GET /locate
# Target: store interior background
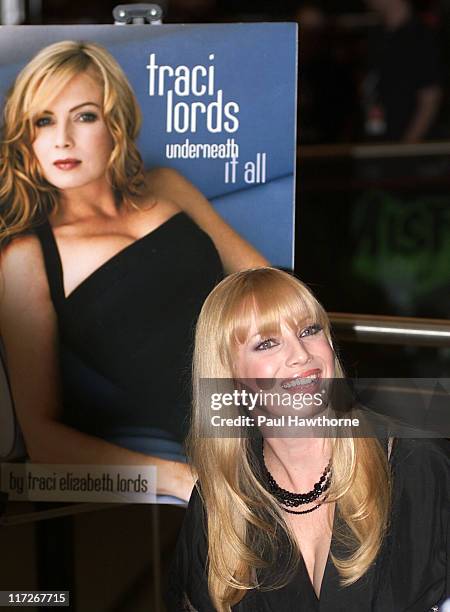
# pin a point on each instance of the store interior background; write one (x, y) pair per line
(372, 237)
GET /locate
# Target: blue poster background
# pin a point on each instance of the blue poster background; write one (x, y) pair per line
(255, 69)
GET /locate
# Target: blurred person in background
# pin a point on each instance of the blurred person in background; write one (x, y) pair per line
(190, 11)
(322, 78)
(402, 92)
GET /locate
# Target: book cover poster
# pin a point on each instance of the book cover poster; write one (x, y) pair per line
(218, 105)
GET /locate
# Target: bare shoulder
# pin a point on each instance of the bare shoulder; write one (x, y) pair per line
(22, 248)
(167, 182)
(22, 268)
(162, 188)
(163, 174)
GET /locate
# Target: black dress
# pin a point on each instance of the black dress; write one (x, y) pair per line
(410, 572)
(126, 332)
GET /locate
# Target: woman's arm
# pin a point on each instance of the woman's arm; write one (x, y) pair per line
(29, 330)
(235, 252)
(428, 102)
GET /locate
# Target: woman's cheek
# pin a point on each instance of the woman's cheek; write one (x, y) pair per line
(262, 368)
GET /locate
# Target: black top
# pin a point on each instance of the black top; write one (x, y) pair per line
(126, 331)
(410, 572)
(402, 61)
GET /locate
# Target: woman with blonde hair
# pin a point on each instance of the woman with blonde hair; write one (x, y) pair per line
(103, 272)
(288, 522)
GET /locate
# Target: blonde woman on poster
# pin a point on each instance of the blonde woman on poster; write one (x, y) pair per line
(104, 270)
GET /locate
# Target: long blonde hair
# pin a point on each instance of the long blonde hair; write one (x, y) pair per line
(26, 198)
(245, 526)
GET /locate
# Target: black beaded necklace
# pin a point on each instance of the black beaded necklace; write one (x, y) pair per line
(293, 500)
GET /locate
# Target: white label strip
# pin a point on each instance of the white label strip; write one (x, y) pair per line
(79, 483)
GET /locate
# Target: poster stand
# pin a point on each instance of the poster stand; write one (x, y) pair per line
(125, 14)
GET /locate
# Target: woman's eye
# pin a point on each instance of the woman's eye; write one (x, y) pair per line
(43, 121)
(87, 117)
(266, 344)
(311, 330)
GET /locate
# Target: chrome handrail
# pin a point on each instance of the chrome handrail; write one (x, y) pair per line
(391, 330)
(358, 150)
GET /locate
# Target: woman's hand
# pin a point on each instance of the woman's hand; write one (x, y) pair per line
(235, 252)
(174, 476)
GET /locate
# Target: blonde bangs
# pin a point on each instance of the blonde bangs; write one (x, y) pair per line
(43, 89)
(272, 298)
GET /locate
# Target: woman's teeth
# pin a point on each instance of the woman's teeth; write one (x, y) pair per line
(298, 382)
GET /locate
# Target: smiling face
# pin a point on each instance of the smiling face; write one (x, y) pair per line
(295, 359)
(72, 142)
(264, 333)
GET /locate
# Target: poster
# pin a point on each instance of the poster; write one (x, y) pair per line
(218, 104)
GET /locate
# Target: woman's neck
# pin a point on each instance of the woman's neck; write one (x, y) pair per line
(82, 203)
(296, 463)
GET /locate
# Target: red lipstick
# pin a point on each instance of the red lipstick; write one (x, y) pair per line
(67, 164)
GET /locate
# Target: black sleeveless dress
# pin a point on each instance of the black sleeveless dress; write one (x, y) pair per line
(126, 332)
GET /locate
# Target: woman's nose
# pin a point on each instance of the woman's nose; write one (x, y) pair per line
(298, 354)
(63, 138)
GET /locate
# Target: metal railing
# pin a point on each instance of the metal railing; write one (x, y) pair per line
(391, 330)
(359, 150)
